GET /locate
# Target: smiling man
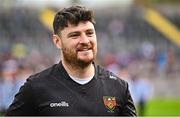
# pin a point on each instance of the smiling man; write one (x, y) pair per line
(76, 85)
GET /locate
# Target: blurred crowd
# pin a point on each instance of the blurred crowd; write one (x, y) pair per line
(127, 46)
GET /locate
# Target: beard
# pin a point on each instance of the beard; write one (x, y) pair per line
(71, 56)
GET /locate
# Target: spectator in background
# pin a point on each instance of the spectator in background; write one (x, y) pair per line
(170, 60)
(12, 76)
(161, 61)
(141, 90)
(1, 95)
(9, 70)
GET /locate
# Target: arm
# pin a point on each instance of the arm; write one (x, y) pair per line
(23, 102)
(129, 107)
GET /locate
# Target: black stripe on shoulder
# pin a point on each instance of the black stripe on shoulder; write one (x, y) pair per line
(103, 73)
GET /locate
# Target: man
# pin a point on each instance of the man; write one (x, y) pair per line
(75, 86)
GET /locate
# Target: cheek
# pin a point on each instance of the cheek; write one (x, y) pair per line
(69, 44)
(94, 42)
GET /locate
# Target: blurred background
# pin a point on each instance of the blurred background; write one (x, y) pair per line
(138, 40)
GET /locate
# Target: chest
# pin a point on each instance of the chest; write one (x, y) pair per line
(78, 100)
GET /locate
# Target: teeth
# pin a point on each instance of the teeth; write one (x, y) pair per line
(85, 49)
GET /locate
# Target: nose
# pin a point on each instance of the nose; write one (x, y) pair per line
(84, 39)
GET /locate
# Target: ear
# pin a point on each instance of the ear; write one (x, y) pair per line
(57, 41)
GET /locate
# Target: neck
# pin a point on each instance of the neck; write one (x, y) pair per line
(79, 72)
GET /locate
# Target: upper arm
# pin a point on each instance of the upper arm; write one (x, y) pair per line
(23, 101)
(129, 107)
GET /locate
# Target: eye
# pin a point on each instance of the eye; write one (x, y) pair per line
(74, 35)
(90, 33)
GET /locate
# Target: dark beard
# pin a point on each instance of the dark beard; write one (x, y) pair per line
(70, 57)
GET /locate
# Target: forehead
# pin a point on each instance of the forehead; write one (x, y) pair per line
(82, 26)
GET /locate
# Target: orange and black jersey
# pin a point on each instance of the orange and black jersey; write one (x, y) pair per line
(53, 92)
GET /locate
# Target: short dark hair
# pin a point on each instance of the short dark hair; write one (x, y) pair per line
(72, 15)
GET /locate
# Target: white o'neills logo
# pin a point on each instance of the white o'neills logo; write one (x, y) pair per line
(60, 104)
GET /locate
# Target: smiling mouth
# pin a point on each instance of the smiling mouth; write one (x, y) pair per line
(84, 49)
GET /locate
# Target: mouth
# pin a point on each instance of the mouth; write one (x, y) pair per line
(84, 49)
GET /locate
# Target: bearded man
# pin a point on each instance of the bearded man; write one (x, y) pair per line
(76, 85)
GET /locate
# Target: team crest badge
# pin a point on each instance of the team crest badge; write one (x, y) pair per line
(109, 102)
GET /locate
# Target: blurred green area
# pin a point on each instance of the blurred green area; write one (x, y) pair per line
(162, 107)
(1, 114)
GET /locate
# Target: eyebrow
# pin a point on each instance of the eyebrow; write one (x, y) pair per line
(78, 32)
(90, 30)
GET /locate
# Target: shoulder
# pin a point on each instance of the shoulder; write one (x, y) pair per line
(42, 77)
(110, 77)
